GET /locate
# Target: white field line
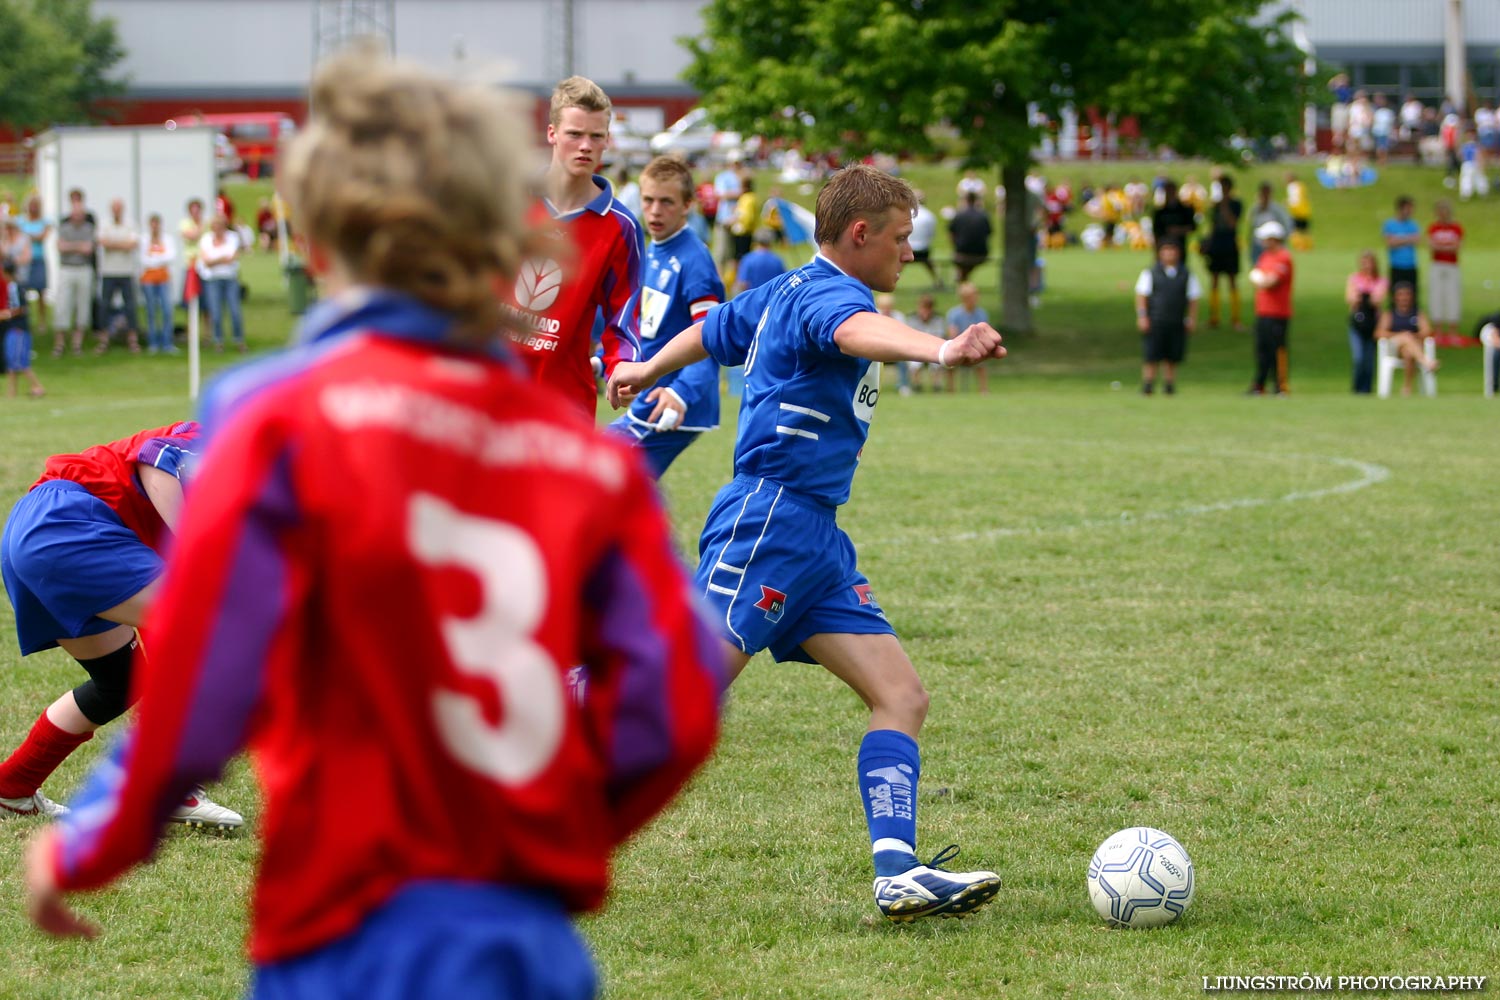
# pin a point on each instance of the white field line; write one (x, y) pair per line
(1369, 475)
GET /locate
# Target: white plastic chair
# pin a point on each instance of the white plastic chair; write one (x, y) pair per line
(1388, 362)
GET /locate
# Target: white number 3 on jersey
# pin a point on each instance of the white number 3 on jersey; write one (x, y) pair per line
(496, 643)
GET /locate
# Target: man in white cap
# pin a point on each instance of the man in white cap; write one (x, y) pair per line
(1272, 278)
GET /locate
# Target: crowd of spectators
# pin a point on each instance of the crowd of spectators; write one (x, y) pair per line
(109, 268)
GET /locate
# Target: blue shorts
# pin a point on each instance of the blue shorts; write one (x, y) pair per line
(65, 557)
(17, 348)
(660, 448)
(777, 569)
(444, 941)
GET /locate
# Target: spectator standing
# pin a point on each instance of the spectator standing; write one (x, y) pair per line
(1410, 117)
(1174, 221)
(970, 183)
(1223, 252)
(1472, 178)
(1272, 278)
(728, 186)
(746, 219)
(1166, 312)
(1266, 209)
(38, 229)
(15, 333)
(76, 244)
(1361, 120)
(1407, 329)
(1382, 128)
(1445, 294)
(119, 260)
(1487, 130)
(1338, 115)
(923, 230)
(627, 191)
(1299, 207)
(1363, 293)
(158, 255)
(219, 260)
(1402, 236)
(190, 233)
(760, 265)
(967, 313)
(970, 230)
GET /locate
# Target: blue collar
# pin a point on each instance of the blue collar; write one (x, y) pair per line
(599, 206)
(384, 313)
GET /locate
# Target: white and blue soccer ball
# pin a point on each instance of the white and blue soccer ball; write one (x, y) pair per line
(1140, 877)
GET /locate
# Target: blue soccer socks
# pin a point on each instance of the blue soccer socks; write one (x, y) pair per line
(889, 765)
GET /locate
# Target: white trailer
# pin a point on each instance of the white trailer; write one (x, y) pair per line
(155, 170)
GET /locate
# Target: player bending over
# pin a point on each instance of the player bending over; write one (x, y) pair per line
(681, 285)
(773, 563)
(81, 558)
(404, 543)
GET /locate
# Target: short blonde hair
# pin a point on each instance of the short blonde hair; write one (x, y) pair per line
(414, 183)
(578, 92)
(669, 168)
(859, 192)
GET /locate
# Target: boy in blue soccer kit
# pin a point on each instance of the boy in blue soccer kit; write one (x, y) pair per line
(774, 565)
(681, 284)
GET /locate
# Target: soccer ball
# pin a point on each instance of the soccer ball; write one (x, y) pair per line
(1140, 877)
(1259, 278)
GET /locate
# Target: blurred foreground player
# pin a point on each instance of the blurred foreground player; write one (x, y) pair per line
(773, 562)
(400, 543)
(81, 557)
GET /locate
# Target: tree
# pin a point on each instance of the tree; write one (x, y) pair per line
(880, 74)
(57, 62)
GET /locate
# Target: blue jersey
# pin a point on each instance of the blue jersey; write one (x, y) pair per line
(807, 406)
(680, 285)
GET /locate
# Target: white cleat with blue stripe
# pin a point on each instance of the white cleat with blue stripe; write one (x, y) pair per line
(930, 891)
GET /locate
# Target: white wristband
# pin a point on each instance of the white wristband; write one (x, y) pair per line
(942, 351)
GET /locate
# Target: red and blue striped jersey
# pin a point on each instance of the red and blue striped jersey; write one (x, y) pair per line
(108, 471)
(553, 303)
(393, 554)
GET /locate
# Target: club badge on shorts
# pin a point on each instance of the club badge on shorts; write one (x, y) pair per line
(772, 602)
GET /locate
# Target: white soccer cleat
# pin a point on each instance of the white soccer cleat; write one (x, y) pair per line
(930, 891)
(35, 804)
(201, 811)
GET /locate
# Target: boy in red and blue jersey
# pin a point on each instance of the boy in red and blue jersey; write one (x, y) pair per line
(773, 562)
(595, 263)
(81, 555)
(395, 548)
(681, 285)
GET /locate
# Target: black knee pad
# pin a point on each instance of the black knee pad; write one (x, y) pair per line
(105, 696)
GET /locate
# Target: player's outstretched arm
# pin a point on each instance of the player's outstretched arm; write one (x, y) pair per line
(879, 338)
(629, 379)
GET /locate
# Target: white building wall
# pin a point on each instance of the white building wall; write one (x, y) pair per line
(236, 45)
(1395, 22)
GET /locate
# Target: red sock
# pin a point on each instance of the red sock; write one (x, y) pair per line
(37, 757)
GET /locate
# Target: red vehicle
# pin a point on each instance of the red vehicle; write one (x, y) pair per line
(255, 135)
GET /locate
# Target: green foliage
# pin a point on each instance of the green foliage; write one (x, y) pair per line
(882, 74)
(57, 63)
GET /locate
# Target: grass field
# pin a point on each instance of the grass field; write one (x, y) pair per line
(1270, 627)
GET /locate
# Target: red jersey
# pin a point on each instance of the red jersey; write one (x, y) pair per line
(108, 471)
(393, 554)
(553, 303)
(1445, 238)
(1275, 302)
